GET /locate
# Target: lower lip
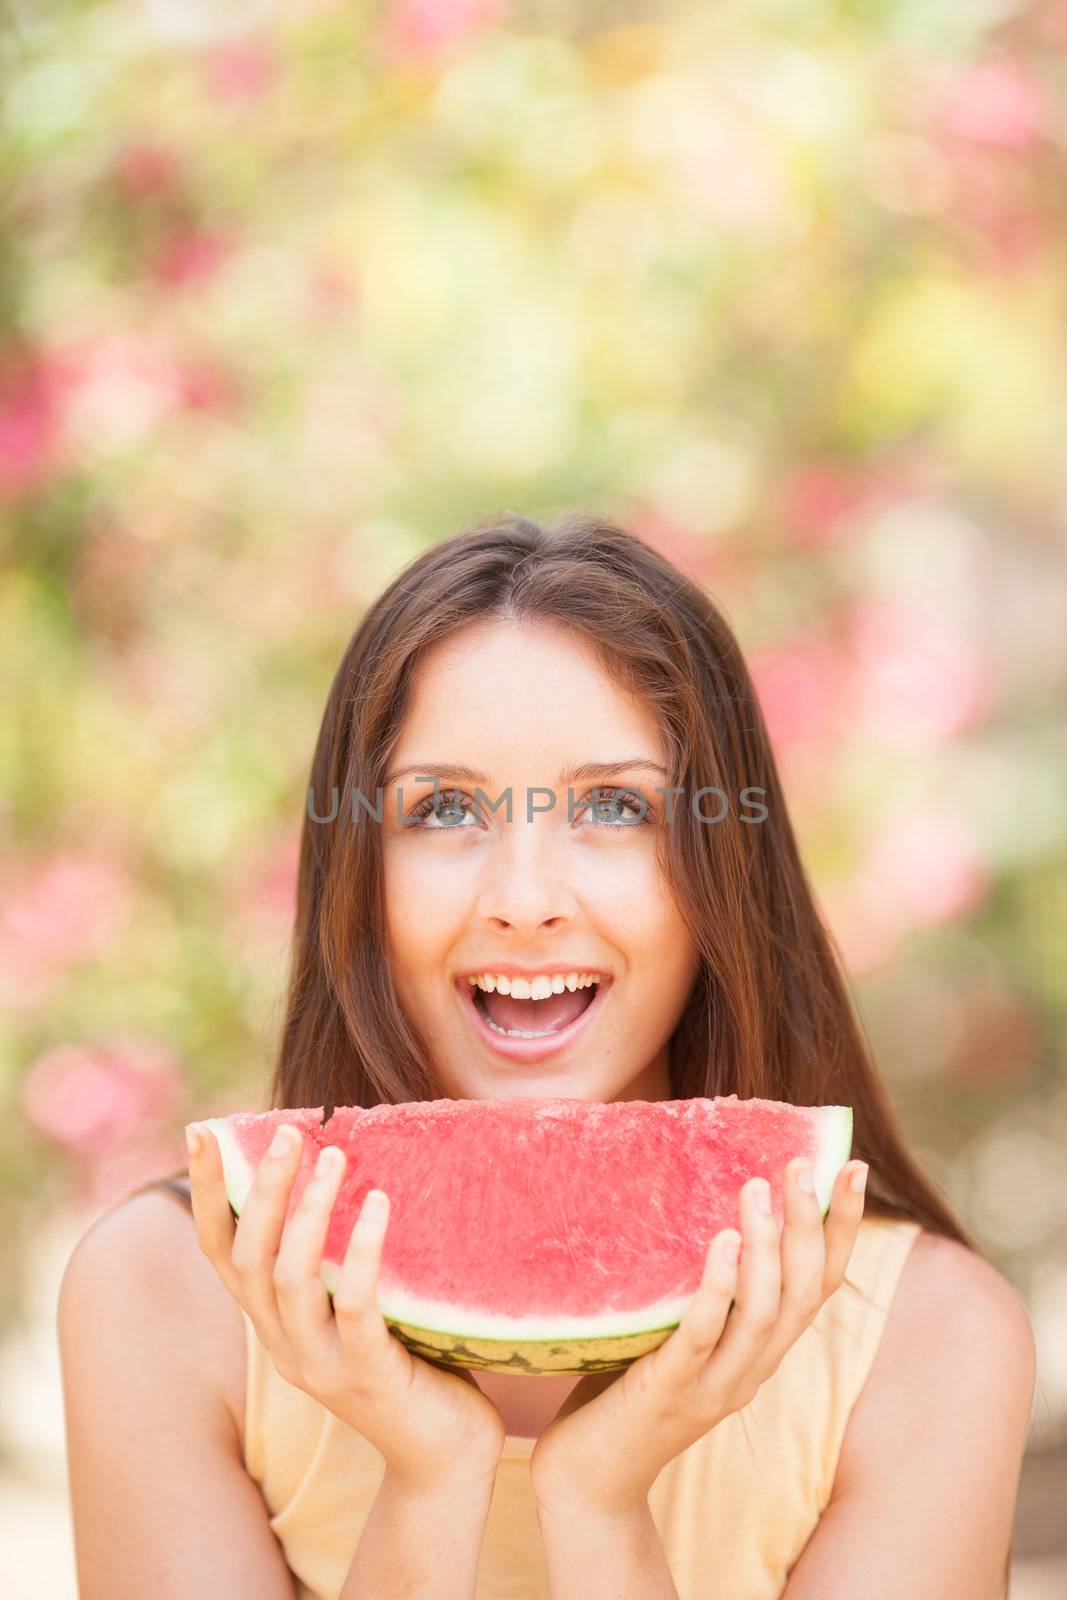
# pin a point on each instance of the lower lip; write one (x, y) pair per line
(531, 1050)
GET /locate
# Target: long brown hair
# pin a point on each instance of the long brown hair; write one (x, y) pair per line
(769, 1014)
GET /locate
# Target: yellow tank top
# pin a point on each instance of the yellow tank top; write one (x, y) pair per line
(734, 1511)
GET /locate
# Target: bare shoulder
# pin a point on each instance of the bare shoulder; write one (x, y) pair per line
(956, 1359)
(951, 1298)
(138, 1276)
(151, 1350)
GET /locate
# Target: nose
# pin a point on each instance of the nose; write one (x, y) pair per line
(526, 884)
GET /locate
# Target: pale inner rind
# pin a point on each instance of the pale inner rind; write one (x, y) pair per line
(442, 1316)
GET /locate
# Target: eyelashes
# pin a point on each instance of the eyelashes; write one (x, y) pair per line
(443, 797)
(447, 800)
(640, 809)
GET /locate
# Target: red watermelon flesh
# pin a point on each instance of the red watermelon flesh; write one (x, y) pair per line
(543, 1235)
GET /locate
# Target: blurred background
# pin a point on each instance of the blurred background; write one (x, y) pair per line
(290, 291)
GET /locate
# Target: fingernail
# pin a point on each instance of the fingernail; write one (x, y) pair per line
(858, 1179)
(374, 1205)
(806, 1179)
(761, 1194)
(282, 1142)
(329, 1161)
(193, 1141)
(730, 1245)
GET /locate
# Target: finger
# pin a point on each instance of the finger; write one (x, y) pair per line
(842, 1223)
(759, 1284)
(803, 1248)
(360, 1324)
(303, 1303)
(701, 1327)
(259, 1230)
(802, 1252)
(211, 1208)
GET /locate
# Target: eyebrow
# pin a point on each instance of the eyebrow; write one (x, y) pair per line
(582, 773)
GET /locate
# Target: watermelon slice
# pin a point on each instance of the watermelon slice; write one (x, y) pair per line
(543, 1235)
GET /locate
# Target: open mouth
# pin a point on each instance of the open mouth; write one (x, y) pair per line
(532, 1019)
(527, 1029)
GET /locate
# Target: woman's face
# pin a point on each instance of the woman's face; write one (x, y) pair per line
(519, 705)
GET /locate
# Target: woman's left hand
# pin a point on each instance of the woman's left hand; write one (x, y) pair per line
(616, 1431)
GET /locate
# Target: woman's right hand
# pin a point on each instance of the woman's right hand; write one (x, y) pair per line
(434, 1427)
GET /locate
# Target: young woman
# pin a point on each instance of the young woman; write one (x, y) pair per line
(853, 1423)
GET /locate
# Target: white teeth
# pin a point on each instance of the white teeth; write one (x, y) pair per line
(521, 1033)
(538, 988)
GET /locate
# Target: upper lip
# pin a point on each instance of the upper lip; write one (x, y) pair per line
(509, 969)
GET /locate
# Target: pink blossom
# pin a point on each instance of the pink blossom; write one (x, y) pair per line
(999, 203)
(417, 29)
(1014, 238)
(798, 688)
(237, 74)
(93, 1099)
(64, 909)
(29, 423)
(262, 890)
(997, 103)
(145, 170)
(115, 388)
(922, 870)
(203, 386)
(190, 256)
(913, 681)
(822, 498)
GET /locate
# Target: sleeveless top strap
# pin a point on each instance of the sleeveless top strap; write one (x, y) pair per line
(177, 1186)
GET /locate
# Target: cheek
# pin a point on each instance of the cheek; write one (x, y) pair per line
(424, 903)
(634, 906)
(628, 887)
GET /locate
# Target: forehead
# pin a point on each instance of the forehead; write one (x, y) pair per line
(515, 686)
